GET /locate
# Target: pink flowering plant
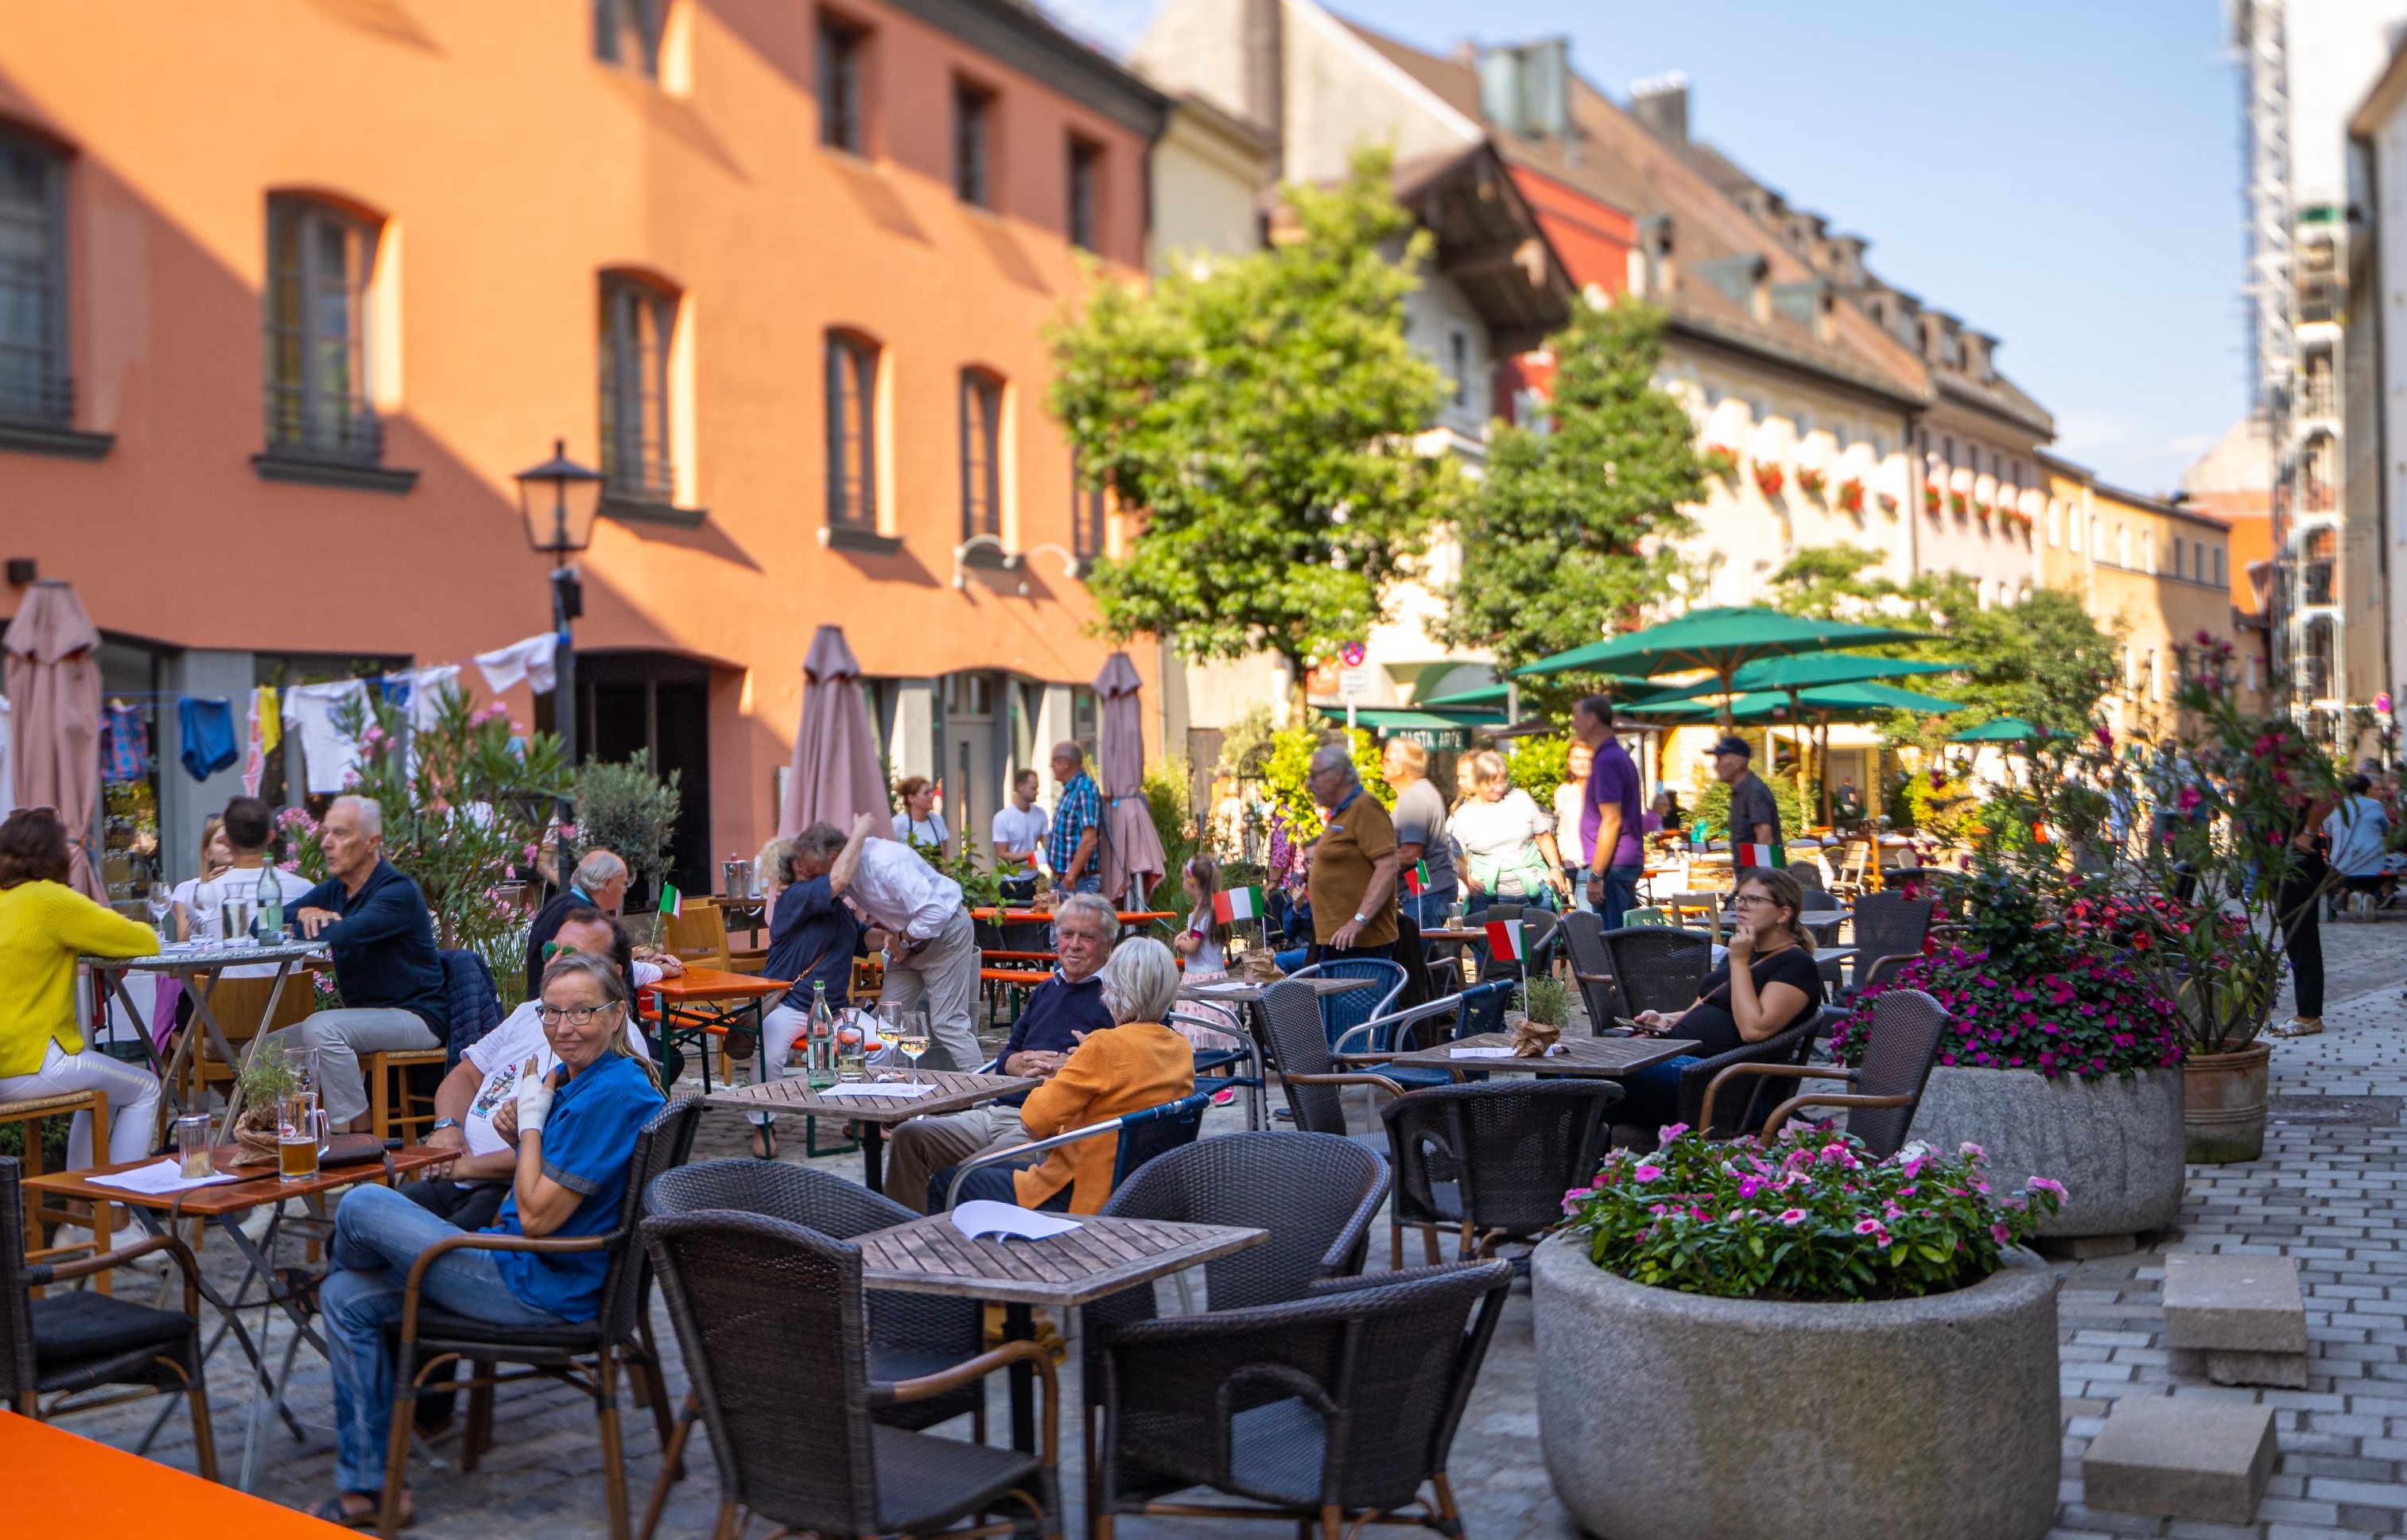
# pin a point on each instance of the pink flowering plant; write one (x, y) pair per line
(1810, 1217)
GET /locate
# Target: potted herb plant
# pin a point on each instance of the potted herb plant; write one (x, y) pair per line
(1797, 1339)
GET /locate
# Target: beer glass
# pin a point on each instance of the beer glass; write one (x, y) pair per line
(300, 1135)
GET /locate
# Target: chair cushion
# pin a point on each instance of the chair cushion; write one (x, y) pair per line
(435, 1325)
(72, 1327)
(1276, 1453)
(925, 1483)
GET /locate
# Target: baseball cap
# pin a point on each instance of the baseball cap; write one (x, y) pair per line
(1730, 743)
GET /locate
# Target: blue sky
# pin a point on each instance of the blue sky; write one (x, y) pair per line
(2064, 176)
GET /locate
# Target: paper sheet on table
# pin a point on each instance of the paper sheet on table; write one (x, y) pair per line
(1007, 1221)
(1216, 987)
(1479, 1053)
(896, 1089)
(158, 1179)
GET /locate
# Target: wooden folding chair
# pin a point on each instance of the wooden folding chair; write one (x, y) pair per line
(28, 1115)
(699, 936)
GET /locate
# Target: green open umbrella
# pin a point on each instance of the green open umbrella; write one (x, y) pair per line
(1806, 670)
(2001, 730)
(1722, 640)
(1820, 705)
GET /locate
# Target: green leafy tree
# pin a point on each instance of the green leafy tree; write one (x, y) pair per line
(1286, 770)
(1261, 411)
(631, 812)
(1568, 529)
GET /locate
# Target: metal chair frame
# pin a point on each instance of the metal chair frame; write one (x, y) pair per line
(1189, 1111)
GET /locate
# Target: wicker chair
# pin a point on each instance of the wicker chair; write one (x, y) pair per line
(1788, 1047)
(1477, 1009)
(775, 1327)
(587, 1354)
(1592, 971)
(1539, 927)
(1883, 971)
(1309, 1074)
(1492, 1160)
(72, 1341)
(1343, 1406)
(1658, 969)
(1906, 1027)
(1143, 1134)
(1889, 925)
(1341, 1013)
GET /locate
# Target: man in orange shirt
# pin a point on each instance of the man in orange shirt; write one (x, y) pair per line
(1354, 865)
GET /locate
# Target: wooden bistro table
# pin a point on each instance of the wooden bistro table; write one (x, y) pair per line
(1609, 1057)
(956, 1091)
(191, 963)
(225, 1205)
(1102, 1256)
(703, 1001)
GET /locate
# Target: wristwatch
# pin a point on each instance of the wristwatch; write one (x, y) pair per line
(1361, 919)
(442, 1123)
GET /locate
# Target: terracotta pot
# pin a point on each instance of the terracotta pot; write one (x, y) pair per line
(2223, 1104)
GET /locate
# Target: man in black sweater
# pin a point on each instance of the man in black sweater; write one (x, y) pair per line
(374, 922)
(599, 883)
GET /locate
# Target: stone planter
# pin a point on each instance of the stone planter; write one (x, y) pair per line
(1667, 1416)
(2223, 1111)
(2115, 1145)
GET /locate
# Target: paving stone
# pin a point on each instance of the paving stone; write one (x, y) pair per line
(2184, 1457)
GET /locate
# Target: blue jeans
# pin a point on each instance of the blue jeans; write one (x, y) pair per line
(1430, 910)
(1291, 959)
(1620, 892)
(1092, 883)
(379, 1233)
(1650, 1097)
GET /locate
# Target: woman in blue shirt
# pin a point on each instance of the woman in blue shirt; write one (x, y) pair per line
(575, 1133)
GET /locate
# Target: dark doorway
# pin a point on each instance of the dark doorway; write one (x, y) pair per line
(656, 704)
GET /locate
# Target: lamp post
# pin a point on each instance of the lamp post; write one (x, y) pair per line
(559, 500)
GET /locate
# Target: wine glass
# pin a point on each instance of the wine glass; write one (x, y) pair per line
(913, 1039)
(161, 902)
(889, 1023)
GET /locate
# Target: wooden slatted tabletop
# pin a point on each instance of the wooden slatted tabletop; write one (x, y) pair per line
(1102, 1256)
(1238, 992)
(956, 1091)
(1606, 1056)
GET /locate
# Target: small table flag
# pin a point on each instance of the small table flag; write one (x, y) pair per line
(1231, 904)
(1505, 940)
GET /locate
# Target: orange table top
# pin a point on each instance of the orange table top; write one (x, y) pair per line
(95, 1492)
(699, 984)
(233, 1197)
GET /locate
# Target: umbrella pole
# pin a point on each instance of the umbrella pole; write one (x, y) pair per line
(1797, 725)
(1822, 758)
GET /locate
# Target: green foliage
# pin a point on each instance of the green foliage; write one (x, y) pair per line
(1246, 743)
(1828, 583)
(1537, 767)
(1260, 410)
(1168, 785)
(629, 811)
(1568, 528)
(1709, 802)
(1546, 1001)
(1810, 1217)
(1290, 760)
(1939, 804)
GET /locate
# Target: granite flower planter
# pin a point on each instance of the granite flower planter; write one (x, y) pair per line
(1667, 1416)
(2115, 1145)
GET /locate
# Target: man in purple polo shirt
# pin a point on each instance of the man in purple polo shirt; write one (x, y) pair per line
(1610, 826)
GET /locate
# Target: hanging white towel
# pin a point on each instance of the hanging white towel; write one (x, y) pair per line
(328, 756)
(530, 659)
(419, 690)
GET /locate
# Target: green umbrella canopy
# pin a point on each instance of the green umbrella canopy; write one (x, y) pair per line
(1805, 671)
(2001, 729)
(1839, 701)
(1622, 687)
(1723, 640)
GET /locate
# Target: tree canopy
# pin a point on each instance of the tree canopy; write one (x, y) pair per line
(1258, 413)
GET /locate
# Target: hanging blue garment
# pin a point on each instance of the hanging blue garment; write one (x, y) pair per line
(206, 728)
(125, 744)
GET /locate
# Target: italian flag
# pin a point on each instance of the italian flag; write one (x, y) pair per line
(1761, 855)
(1416, 880)
(1231, 904)
(671, 902)
(1505, 940)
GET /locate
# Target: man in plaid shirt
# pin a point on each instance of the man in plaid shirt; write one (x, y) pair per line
(1077, 824)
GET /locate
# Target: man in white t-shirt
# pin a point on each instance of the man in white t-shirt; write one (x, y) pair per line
(248, 829)
(1019, 834)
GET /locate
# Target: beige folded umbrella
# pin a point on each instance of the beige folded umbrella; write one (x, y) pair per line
(835, 776)
(54, 696)
(1133, 857)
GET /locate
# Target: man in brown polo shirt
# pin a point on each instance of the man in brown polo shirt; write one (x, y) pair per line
(1353, 865)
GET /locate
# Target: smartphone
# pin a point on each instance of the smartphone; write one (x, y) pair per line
(1625, 1022)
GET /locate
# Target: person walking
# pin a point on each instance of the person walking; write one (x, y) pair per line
(1508, 845)
(1074, 849)
(2299, 912)
(1754, 815)
(1570, 817)
(1611, 834)
(1422, 837)
(1353, 878)
(916, 917)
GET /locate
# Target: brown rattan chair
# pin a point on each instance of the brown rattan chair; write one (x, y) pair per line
(588, 1355)
(775, 1327)
(1491, 1162)
(1904, 1043)
(1658, 969)
(910, 1335)
(1889, 925)
(1339, 1406)
(73, 1341)
(1309, 1074)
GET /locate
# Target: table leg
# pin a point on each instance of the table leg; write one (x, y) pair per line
(1019, 1325)
(229, 1309)
(873, 1156)
(208, 1021)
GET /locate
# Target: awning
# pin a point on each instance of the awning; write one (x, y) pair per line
(1429, 729)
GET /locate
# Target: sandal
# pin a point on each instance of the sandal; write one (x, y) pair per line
(335, 1511)
(2300, 1026)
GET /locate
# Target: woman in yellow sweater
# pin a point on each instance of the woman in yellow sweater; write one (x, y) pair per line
(44, 926)
(1139, 1063)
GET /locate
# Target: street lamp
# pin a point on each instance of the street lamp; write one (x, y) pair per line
(559, 500)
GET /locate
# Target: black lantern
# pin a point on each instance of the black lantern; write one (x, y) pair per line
(560, 499)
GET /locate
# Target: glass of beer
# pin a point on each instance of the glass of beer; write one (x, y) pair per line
(299, 1134)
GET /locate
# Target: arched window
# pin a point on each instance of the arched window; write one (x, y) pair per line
(638, 327)
(852, 432)
(981, 454)
(318, 261)
(2315, 659)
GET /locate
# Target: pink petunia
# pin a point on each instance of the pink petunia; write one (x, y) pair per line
(1647, 1172)
(1792, 1216)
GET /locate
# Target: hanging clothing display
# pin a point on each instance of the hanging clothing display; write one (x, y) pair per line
(206, 729)
(328, 755)
(266, 732)
(420, 692)
(124, 743)
(530, 659)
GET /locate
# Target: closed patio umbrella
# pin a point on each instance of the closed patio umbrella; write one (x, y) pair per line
(1132, 847)
(834, 777)
(54, 701)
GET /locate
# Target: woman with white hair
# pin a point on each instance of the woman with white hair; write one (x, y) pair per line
(1139, 1063)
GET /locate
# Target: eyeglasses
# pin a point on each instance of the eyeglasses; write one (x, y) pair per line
(1757, 898)
(576, 1015)
(557, 948)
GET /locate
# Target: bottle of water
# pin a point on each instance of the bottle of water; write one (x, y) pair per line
(820, 1058)
(271, 900)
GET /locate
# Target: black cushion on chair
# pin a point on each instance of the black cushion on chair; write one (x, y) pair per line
(925, 1483)
(71, 1328)
(439, 1332)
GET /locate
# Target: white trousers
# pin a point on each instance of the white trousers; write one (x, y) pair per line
(133, 1100)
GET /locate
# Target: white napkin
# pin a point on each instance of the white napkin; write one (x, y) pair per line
(1479, 1053)
(898, 1091)
(158, 1178)
(1007, 1221)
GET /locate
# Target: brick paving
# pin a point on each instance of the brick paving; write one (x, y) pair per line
(2330, 1193)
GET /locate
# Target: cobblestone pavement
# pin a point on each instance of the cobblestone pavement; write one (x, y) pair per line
(2327, 1192)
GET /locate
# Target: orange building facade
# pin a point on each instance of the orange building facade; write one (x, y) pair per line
(298, 285)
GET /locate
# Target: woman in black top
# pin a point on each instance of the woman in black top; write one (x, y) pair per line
(1768, 984)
